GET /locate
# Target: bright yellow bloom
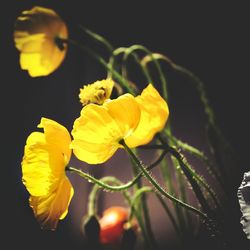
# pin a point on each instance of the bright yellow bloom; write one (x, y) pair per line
(99, 129)
(45, 157)
(96, 92)
(35, 33)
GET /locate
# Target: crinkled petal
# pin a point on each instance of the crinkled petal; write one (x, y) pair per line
(154, 114)
(54, 206)
(45, 157)
(94, 132)
(35, 168)
(99, 129)
(58, 136)
(126, 113)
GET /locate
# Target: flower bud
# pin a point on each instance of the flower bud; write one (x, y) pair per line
(128, 240)
(91, 228)
(112, 225)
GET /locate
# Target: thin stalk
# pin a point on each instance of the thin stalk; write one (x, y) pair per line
(191, 175)
(143, 205)
(126, 194)
(143, 68)
(170, 215)
(100, 60)
(157, 185)
(98, 38)
(137, 196)
(199, 155)
(168, 182)
(200, 87)
(115, 188)
(180, 181)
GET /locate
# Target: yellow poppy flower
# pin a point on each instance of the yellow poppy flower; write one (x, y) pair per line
(43, 167)
(99, 129)
(34, 35)
(96, 92)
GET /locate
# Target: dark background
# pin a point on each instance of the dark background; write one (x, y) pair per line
(209, 39)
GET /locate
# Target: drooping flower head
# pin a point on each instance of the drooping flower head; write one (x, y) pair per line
(96, 92)
(35, 36)
(43, 167)
(99, 129)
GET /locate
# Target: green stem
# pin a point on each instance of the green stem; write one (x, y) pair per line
(143, 205)
(165, 170)
(106, 186)
(100, 183)
(137, 195)
(182, 194)
(191, 175)
(156, 184)
(157, 65)
(98, 38)
(93, 194)
(200, 155)
(143, 68)
(170, 215)
(100, 60)
(93, 199)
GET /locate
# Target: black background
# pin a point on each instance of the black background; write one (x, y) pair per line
(210, 39)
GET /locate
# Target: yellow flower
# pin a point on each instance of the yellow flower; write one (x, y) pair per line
(96, 92)
(43, 167)
(99, 129)
(34, 35)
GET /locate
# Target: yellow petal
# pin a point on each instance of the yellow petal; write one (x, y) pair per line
(35, 168)
(29, 43)
(99, 129)
(126, 113)
(32, 63)
(45, 157)
(154, 114)
(34, 35)
(58, 136)
(54, 206)
(94, 132)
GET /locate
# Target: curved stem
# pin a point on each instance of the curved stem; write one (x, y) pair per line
(141, 205)
(156, 184)
(119, 187)
(99, 59)
(200, 155)
(137, 60)
(190, 174)
(137, 195)
(98, 38)
(126, 194)
(157, 65)
(96, 188)
(171, 217)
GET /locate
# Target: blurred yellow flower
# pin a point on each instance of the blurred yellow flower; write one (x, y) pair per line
(96, 92)
(43, 167)
(35, 36)
(99, 129)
